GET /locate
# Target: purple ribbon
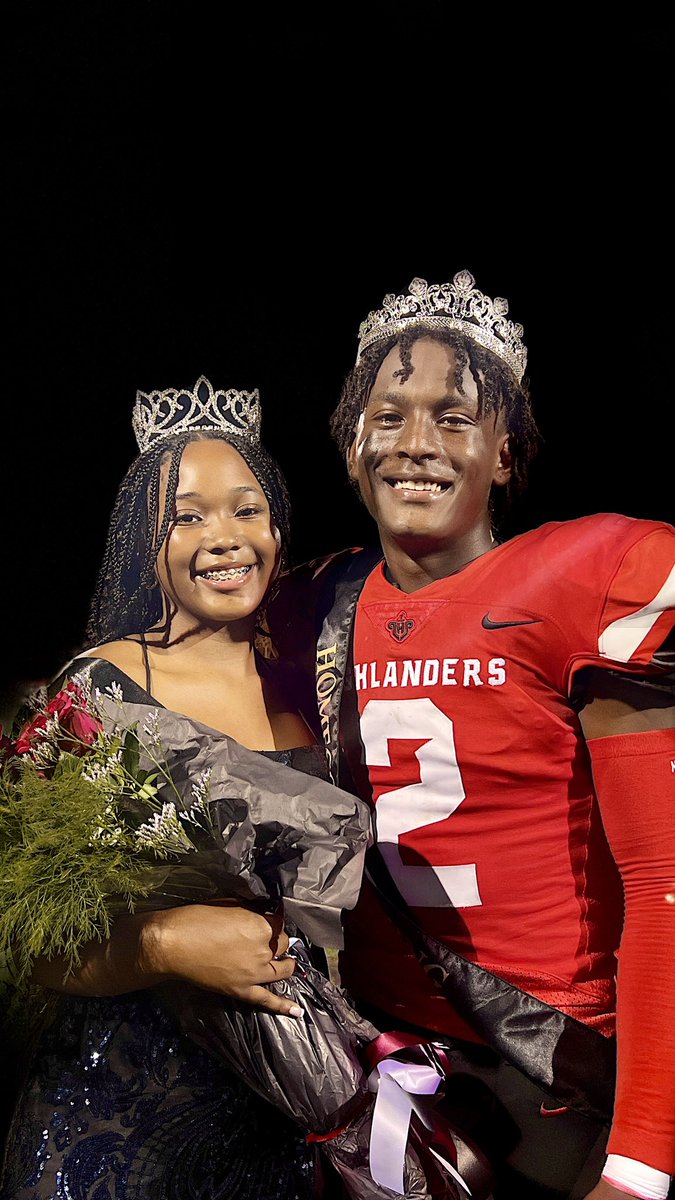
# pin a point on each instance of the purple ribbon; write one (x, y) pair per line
(397, 1085)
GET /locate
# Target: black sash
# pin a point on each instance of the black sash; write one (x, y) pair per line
(571, 1061)
(568, 1059)
(335, 611)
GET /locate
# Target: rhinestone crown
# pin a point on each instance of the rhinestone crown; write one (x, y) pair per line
(161, 414)
(457, 305)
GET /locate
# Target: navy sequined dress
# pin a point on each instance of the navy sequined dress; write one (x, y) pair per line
(118, 1105)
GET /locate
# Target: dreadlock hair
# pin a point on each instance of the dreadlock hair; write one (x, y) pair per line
(128, 598)
(498, 391)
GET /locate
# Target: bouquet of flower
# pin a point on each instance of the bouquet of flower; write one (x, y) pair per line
(70, 858)
(98, 816)
(110, 805)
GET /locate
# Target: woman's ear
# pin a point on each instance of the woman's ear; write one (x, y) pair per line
(277, 560)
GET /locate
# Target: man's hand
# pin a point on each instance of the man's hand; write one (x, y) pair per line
(604, 1191)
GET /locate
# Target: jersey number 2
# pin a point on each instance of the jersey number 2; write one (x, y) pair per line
(438, 794)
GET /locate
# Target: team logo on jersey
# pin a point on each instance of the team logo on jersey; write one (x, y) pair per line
(401, 624)
(400, 627)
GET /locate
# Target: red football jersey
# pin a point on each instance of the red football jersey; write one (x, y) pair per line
(484, 804)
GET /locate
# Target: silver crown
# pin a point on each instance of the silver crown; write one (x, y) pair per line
(457, 305)
(161, 414)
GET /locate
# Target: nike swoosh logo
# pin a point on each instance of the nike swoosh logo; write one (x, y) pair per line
(488, 624)
(551, 1112)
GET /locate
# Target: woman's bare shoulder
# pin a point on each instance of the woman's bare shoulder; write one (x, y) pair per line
(126, 654)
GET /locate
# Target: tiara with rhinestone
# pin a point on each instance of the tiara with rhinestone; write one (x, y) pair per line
(161, 414)
(457, 305)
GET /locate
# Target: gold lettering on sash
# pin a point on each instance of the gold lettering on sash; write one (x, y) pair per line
(326, 682)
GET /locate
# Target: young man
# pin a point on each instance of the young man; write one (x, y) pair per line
(515, 733)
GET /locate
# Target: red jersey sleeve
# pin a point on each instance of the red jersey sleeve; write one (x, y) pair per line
(636, 613)
(634, 782)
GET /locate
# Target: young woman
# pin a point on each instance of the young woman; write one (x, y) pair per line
(116, 1103)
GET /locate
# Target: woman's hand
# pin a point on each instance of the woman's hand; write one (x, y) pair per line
(221, 947)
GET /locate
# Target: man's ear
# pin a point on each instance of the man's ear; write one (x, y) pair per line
(504, 468)
(351, 461)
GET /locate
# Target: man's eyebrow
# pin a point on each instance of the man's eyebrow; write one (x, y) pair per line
(450, 399)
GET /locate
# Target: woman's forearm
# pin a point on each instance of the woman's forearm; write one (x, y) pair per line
(221, 948)
(129, 960)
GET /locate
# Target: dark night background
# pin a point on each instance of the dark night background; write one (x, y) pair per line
(229, 192)
(230, 195)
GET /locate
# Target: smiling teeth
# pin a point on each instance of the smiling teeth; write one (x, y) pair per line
(230, 573)
(417, 485)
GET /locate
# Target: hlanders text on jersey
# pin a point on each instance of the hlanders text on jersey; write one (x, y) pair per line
(428, 672)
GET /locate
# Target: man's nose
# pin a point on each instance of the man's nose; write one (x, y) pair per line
(418, 437)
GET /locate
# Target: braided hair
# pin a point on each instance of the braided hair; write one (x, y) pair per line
(127, 598)
(498, 391)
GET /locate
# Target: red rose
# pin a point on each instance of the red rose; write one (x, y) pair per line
(75, 720)
(69, 706)
(71, 696)
(76, 691)
(30, 734)
(83, 726)
(60, 705)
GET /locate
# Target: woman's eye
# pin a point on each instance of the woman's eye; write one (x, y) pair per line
(249, 510)
(185, 518)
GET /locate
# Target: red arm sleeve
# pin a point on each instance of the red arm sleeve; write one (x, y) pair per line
(635, 782)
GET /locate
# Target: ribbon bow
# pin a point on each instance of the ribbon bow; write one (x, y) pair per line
(399, 1083)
